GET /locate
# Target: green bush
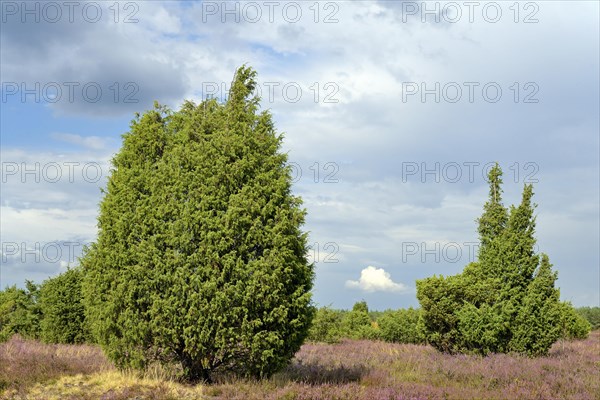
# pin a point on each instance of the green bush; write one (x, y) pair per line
(326, 326)
(401, 326)
(537, 322)
(63, 316)
(200, 259)
(357, 323)
(440, 297)
(591, 314)
(20, 312)
(507, 300)
(331, 325)
(572, 324)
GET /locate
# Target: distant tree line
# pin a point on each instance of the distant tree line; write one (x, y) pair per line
(400, 326)
(408, 326)
(53, 312)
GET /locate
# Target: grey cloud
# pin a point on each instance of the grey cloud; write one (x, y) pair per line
(127, 63)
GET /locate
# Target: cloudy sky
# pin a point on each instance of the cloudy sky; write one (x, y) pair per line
(392, 112)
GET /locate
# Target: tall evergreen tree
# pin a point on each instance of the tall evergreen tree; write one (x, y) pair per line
(200, 259)
(506, 300)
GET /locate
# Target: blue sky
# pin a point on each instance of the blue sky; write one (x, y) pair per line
(392, 111)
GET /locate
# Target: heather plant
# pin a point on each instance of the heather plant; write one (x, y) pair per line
(61, 304)
(24, 362)
(350, 369)
(200, 260)
(506, 300)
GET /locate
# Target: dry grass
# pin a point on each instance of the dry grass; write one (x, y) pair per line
(348, 370)
(112, 385)
(33, 370)
(26, 362)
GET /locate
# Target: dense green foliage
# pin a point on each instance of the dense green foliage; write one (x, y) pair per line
(591, 314)
(357, 323)
(63, 316)
(51, 311)
(330, 325)
(327, 326)
(200, 260)
(19, 311)
(573, 325)
(401, 326)
(506, 301)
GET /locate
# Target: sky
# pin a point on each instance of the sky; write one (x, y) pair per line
(392, 112)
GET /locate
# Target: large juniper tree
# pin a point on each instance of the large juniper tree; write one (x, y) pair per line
(506, 300)
(200, 260)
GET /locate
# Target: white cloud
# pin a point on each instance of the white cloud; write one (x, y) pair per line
(374, 279)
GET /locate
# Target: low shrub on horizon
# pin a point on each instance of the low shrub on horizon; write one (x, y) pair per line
(591, 314)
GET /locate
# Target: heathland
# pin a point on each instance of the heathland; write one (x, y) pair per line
(351, 369)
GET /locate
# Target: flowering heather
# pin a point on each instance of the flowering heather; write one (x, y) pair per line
(25, 362)
(370, 370)
(378, 371)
